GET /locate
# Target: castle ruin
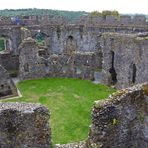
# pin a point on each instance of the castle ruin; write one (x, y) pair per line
(113, 51)
(110, 50)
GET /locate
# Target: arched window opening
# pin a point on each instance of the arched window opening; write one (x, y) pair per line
(70, 38)
(112, 70)
(71, 45)
(2, 44)
(134, 73)
(40, 38)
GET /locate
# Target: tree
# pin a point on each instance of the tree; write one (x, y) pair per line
(105, 13)
(95, 13)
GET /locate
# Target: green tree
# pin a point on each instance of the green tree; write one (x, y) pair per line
(95, 13)
(115, 13)
(105, 13)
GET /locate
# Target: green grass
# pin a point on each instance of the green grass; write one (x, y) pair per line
(70, 102)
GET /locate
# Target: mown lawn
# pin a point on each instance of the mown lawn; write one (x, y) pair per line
(69, 101)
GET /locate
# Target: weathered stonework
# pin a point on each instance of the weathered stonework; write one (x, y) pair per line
(121, 120)
(7, 87)
(30, 66)
(125, 59)
(24, 125)
(81, 50)
(106, 49)
(37, 63)
(124, 20)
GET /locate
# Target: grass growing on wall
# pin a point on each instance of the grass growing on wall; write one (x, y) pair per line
(70, 102)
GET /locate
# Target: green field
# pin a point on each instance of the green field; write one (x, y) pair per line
(70, 102)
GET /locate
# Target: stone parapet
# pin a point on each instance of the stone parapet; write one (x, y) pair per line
(24, 125)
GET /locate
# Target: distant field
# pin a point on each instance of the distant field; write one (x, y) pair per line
(69, 101)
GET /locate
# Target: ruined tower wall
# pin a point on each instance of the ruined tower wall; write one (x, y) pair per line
(9, 57)
(124, 59)
(24, 125)
(13, 36)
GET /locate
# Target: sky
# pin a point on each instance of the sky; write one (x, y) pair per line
(123, 6)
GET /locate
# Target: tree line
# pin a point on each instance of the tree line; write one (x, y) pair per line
(68, 15)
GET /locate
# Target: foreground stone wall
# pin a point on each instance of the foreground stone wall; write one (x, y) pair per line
(24, 125)
(121, 120)
(7, 87)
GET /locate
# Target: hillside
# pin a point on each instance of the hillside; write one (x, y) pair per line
(69, 15)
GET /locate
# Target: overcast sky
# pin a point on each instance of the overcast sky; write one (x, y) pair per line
(123, 6)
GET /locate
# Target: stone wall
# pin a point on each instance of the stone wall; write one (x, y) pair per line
(24, 125)
(123, 20)
(6, 21)
(124, 59)
(84, 20)
(38, 63)
(30, 66)
(12, 36)
(81, 52)
(7, 87)
(83, 38)
(121, 120)
(65, 45)
(10, 63)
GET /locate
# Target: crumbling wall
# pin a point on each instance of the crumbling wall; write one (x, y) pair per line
(35, 63)
(83, 39)
(10, 63)
(123, 20)
(24, 125)
(121, 120)
(79, 65)
(72, 41)
(12, 34)
(31, 65)
(6, 21)
(124, 59)
(7, 87)
(64, 57)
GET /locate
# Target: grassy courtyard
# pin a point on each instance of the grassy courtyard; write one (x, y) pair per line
(69, 101)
